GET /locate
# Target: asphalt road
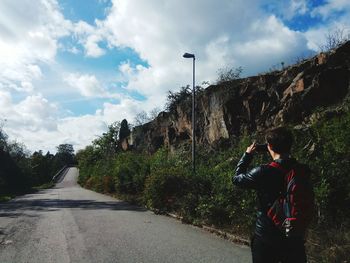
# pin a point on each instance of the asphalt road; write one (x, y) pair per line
(72, 224)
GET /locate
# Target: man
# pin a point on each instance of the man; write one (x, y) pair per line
(269, 243)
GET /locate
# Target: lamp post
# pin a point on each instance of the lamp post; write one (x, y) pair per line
(188, 55)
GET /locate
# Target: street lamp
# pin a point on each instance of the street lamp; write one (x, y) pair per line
(188, 55)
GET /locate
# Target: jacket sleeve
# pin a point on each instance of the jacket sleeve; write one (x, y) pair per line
(245, 179)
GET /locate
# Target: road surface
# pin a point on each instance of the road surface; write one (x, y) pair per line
(72, 224)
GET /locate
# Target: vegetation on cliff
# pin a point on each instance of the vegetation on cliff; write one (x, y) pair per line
(152, 166)
(163, 182)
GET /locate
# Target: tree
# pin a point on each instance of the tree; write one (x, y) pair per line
(13, 166)
(42, 168)
(107, 143)
(175, 98)
(144, 117)
(65, 149)
(64, 155)
(334, 39)
(3, 139)
(228, 74)
(154, 113)
(141, 118)
(17, 150)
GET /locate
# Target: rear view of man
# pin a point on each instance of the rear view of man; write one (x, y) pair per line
(279, 232)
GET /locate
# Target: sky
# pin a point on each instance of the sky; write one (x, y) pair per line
(70, 68)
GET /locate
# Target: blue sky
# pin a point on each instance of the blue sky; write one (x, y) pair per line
(70, 68)
(302, 21)
(86, 10)
(105, 66)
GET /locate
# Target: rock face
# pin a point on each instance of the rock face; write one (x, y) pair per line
(227, 110)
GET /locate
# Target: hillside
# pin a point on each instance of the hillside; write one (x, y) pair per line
(228, 110)
(311, 98)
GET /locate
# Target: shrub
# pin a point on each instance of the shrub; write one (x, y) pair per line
(174, 99)
(228, 74)
(166, 183)
(108, 184)
(164, 188)
(130, 171)
(94, 183)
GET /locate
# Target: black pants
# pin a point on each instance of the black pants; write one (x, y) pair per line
(287, 250)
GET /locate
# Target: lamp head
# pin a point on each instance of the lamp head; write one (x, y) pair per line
(188, 55)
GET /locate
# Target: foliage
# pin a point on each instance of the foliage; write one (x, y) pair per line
(182, 97)
(175, 98)
(154, 113)
(43, 167)
(3, 139)
(164, 187)
(334, 39)
(130, 172)
(164, 182)
(325, 146)
(143, 117)
(21, 171)
(107, 143)
(228, 74)
(328, 153)
(64, 155)
(12, 178)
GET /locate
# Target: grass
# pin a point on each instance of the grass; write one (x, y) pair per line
(8, 197)
(5, 198)
(44, 186)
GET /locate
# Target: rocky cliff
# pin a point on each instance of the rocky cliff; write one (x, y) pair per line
(225, 111)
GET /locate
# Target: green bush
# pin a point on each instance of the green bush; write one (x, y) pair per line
(164, 182)
(325, 146)
(130, 171)
(165, 188)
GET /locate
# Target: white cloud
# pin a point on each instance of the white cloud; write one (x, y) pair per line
(298, 7)
(92, 47)
(126, 109)
(79, 131)
(73, 50)
(274, 43)
(36, 122)
(317, 37)
(220, 33)
(289, 9)
(327, 10)
(33, 113)
(90, 36)
(27, 86)
(88, 86)
(5, 100)
(34, 71)
(28, 37)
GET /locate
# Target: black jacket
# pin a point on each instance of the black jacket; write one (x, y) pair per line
(269, 183)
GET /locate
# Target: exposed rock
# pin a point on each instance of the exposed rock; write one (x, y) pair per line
(253, 104)
(321, 58)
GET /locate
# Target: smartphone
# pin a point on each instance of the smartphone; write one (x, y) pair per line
(261, 147)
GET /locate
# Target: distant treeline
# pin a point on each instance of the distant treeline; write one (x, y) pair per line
(163, 182)
(20, 170)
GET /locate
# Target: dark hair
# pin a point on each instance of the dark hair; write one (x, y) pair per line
(280, 139)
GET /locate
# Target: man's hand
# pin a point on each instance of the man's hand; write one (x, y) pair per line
(251, 148)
